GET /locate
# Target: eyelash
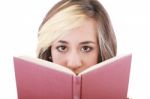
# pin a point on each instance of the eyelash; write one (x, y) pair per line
(64, 48)
(87, 47)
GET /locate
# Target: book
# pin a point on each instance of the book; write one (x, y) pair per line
(40, 79)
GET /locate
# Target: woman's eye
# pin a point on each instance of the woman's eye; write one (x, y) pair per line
(86, 49)
(61, 48)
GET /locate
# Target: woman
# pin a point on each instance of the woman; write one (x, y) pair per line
(76, 34)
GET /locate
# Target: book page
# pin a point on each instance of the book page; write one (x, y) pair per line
(47, 64)
(99, 65)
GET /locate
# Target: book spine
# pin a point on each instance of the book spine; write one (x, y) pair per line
(76, 87)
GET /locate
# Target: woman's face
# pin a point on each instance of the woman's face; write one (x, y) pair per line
(78, 49)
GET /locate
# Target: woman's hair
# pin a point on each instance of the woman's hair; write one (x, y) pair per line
(69, 14)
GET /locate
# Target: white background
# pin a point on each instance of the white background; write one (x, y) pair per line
(19, 21)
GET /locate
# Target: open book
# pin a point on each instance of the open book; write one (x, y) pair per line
(40, 79)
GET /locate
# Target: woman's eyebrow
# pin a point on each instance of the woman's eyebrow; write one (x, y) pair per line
(81, 43)
(62, 41)
(87, 42)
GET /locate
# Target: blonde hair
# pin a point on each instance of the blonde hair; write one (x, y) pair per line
(69, 14)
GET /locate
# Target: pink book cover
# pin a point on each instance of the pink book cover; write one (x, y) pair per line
(108, 81)
(39, 79)
(38, 82)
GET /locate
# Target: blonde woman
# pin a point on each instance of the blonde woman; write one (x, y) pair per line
(76, 34)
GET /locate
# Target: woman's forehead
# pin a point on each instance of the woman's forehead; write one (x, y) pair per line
(86, 32)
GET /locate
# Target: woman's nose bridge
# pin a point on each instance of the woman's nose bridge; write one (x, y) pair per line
(74, 59)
